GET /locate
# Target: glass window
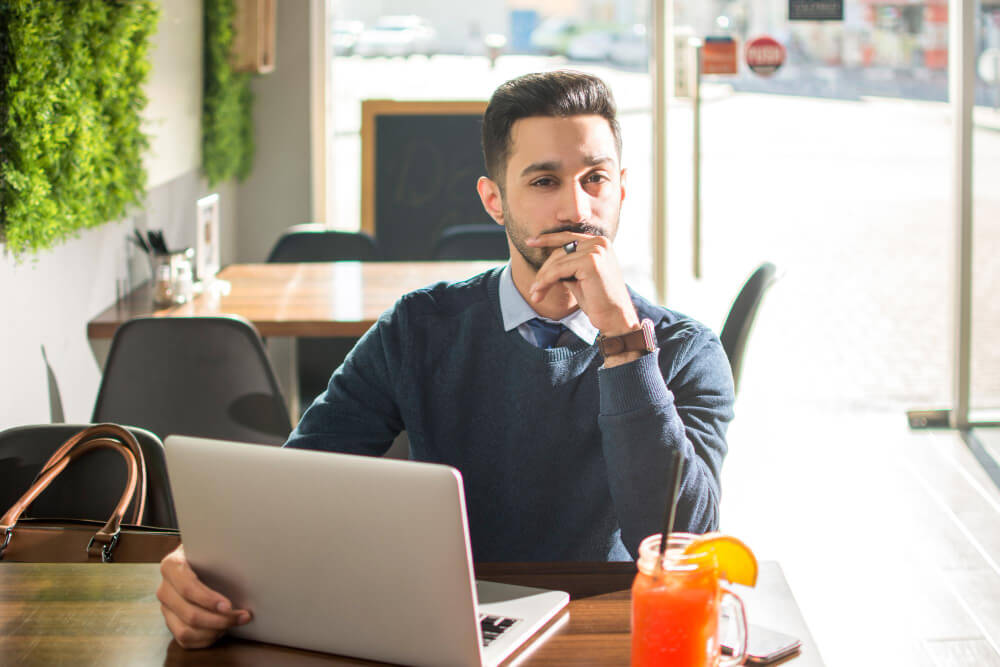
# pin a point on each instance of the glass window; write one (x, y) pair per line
(430, 50)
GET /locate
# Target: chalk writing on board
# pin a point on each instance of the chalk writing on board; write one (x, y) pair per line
(425, 162)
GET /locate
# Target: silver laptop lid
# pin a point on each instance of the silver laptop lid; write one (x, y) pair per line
(331, 552)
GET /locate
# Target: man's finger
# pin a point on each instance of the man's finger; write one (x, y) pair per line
(178, 573)
(553, 239)
(194, 616)
(563, 267)
(185, 635)
(556, 270)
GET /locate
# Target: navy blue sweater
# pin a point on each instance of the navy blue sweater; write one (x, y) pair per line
(561, 459)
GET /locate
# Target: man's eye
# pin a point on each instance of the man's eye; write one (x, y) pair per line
(543, 182)
(596, 178)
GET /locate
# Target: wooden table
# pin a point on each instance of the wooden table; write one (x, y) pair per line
(288, 301)
(108, 614)
(298, 300)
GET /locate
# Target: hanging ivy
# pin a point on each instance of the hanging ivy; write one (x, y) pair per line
(226, 125)
(71, 93)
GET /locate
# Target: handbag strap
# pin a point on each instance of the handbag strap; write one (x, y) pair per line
(100, 546)
(113, 431)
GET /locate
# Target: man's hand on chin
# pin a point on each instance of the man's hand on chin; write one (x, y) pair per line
(592, 275)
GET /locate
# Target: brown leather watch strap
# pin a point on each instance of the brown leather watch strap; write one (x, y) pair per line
(642, 339)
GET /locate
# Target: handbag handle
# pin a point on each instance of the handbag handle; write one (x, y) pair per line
(113, 431)
(104, 540)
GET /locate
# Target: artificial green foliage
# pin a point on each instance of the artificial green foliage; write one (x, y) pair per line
(226, 124)
(71, 144)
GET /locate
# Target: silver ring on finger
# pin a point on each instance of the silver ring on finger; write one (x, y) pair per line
(570, 247)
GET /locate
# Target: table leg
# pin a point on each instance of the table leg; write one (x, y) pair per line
(100, 348)
(284, 359)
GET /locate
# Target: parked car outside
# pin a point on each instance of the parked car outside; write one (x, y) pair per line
(552, 35)
(344, 36)
(398, 36)
(593, 45)
(629, 48)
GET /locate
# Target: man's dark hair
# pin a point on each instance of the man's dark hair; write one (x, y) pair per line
(558, 94)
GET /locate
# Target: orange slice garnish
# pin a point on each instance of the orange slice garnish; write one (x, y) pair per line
(737, 564)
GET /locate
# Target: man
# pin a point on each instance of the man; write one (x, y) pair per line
(563, 439)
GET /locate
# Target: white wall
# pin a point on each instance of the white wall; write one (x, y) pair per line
(46, 300)
(277, 192)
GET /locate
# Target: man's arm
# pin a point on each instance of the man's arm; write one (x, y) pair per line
(358, 412)
(642, 422)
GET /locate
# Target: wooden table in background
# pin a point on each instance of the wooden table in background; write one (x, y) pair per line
(108, 614)
(288, 301)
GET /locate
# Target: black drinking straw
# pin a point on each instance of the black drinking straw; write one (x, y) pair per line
(668, 521)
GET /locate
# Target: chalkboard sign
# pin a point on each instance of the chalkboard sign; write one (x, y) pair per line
(420, 162)
(815, 10)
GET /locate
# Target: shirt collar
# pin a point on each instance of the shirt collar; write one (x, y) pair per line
(516, 311)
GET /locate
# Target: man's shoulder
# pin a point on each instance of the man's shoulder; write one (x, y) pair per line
(672, 327)
(449, 298)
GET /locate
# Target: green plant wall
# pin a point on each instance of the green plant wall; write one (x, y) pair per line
(71, 93)
(226, 125)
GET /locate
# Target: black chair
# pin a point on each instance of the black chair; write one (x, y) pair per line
(739, 322)
(313, 242)
(472, 242)
(88, 489)
(319, 357)
(202, 376)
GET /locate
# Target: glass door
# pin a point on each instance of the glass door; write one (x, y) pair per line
(984, 394)
(836, 167)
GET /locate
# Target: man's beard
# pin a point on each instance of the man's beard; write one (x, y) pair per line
(536, 257)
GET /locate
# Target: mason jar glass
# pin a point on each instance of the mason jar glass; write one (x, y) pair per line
(676, 608)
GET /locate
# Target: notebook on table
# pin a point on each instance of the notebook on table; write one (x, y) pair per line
(353, 555)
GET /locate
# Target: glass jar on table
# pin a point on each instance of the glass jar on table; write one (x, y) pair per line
(676, 608)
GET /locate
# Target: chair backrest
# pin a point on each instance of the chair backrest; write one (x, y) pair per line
(88, 489)
(315, 243)
(472, 242)
(739, 322)
(204, 376)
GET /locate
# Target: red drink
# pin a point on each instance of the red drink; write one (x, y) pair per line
(675, 610)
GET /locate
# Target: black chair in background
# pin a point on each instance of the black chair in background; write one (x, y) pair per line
(88, 489)
(202, 376)
(472, 242)
(739, 322)
(313, 242)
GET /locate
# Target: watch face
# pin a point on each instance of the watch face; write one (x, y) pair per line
(649, 335)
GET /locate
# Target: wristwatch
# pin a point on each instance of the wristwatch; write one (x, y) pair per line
(640, 340)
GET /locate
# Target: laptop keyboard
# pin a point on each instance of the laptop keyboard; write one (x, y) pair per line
(494, 626)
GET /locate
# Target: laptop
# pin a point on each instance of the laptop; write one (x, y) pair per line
(353, 555)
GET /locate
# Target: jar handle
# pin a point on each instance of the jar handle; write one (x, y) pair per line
(735, 603)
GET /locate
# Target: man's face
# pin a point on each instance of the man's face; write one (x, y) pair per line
(562, 174)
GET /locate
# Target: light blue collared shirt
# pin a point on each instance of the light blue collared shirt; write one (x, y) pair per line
(516, 311)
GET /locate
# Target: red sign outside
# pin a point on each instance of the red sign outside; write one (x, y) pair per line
(719, 56)
(765, 55)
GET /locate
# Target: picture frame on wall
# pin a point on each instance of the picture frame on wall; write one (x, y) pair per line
(207, 242)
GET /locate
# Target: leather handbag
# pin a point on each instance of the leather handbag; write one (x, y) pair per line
(78, 540)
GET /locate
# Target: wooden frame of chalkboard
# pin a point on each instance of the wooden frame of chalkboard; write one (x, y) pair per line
(371, 112)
